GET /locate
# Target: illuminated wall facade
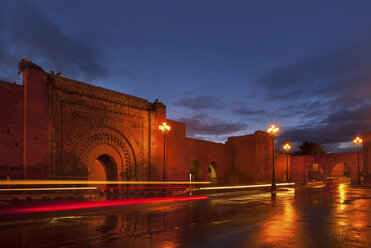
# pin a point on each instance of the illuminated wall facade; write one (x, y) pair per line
(64, 128)
(53, 127)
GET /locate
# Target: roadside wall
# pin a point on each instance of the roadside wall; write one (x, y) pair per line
(11, 131)
(206, 153)
(252, 157)
(367, 152)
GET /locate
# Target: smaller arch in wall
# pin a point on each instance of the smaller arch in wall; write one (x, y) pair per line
(341, 170)
(314, 173)
(211, 172)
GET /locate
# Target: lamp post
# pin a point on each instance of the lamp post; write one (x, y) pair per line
(273, 130)
(287, 148)
(358, 141)
(165, 129)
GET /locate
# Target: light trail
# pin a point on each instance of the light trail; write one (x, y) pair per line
(142, 187)
(99, 188)
(88, 188)
(337, 181)
(97, 204)
(67, 182)
(36, 189)
(246, 186)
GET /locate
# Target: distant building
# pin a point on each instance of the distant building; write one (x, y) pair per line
(53, 127)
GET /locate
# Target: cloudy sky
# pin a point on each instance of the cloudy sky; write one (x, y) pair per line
(225, 68)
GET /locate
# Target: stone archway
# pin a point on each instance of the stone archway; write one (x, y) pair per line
(103, 168)
(102, 163)
(106, 148)
(341, 171)
(211, 173)
(314, 173)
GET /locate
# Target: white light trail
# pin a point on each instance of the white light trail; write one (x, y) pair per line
(34, 189)
(246, 186)
(67, 182)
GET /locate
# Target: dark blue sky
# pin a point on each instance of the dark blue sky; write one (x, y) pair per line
(225, 68)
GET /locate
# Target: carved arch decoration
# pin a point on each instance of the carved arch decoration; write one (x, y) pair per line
(103, 136)
(115, 124)
(109, 131)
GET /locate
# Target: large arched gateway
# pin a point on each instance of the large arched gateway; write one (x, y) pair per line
(105, 153)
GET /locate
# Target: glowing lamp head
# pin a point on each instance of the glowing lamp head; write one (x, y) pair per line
(165, 128)
(287, 147)
(358, 141)
(273, 130)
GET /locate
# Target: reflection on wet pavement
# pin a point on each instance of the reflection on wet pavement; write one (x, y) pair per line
(331, 216)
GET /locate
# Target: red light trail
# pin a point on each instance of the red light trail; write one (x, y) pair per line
(85, 182)
(97, 204)
(246, 186)
(142, 187)
(88, 188)
(336, 181)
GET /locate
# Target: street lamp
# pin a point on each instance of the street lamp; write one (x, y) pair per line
(287, 148)
(165, 129)
(358, 142)
(273, 130)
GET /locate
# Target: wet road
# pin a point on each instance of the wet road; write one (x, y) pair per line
(331, 216)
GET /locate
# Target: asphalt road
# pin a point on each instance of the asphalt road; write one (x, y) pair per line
(317, 216)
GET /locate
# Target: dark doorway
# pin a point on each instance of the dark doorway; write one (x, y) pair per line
(109, 167)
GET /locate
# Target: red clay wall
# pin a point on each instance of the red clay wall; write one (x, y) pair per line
(158, 116)
(36, 123)
(367, 151)
(206, 152)
(252, 157)
(176, 168)
(11, 131)
(298, 169)
(281, 167)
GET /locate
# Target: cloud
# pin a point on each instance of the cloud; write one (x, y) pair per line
(356, 116)
(199, 102)
(343, 75)
(338, 127)
(328, 96)
(305, 109)
(248, 112)
(204, 125)
(27, 33)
